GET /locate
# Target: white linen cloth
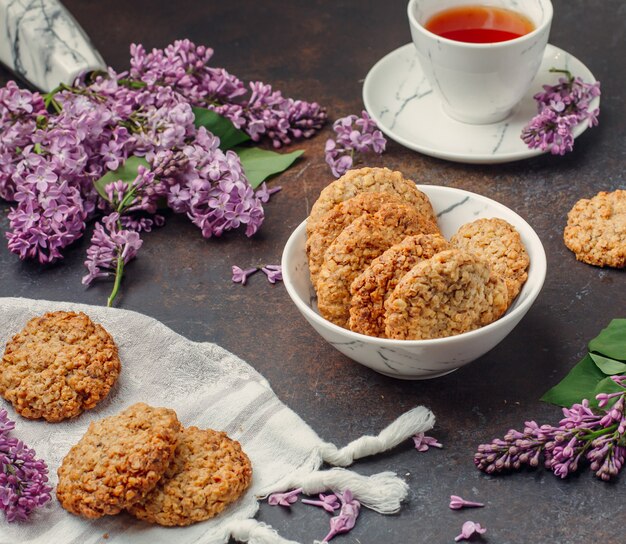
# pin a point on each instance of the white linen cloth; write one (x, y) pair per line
(210, 388)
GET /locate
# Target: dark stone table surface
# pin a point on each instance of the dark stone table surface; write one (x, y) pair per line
(321, 50)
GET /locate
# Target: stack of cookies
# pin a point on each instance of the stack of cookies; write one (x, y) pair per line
(381, 267)
(143, 461)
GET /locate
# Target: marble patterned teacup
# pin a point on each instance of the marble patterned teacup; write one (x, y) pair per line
(480, 83)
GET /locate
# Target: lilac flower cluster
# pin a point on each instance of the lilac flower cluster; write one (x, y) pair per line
(263, 112)
(354, 136)
(349, 508)
(23, 477)
(582, 436)
(55, 148)
(561, 108)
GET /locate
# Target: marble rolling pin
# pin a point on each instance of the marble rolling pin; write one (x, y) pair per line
(43, 44)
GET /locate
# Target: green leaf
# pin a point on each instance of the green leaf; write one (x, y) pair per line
(607, 365)
(580, 383)
(259, 164)
(223, 128)
(126, 173)
(611, 342)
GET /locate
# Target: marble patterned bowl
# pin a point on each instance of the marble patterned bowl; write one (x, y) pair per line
(421, 359)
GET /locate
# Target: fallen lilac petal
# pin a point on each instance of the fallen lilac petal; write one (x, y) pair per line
(273, 272)
(284, 499)
(240, 275)
(456, 503)
(347, 517)
(330, 503)
(423, 442)
(470, 528)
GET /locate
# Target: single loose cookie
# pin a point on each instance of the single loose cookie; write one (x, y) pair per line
(372, 287)
(596, 229)
(59, 365)
(450, 293)
(338, 218)
(118, 461)
(500, 244)
(377, 180)
(209, 472)
(356, 247)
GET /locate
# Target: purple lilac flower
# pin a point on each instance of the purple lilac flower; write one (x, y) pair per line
(268, 113)
(264, 194)
(347, 517)
(19, 112)
(329, 502)
(111, 247)
(48, 217)
(423, 442)
(354, 136)
(265, 113)
(456, 503)
(560, 109)
(241, 276)
(23, 477)
(284, 499)
(273, 272)
(469, 529)
(211, 187)
(581, 437)
(139, 195)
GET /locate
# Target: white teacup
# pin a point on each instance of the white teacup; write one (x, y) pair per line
(480, 83)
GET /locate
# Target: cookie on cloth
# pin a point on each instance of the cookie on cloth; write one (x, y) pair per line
(500, 244)
(376, 180)
(335, 220)
(118, 461)
(356, 247)
(596, 229)
(59, 365)
(451, 293)
(372, 287)
(209, 472)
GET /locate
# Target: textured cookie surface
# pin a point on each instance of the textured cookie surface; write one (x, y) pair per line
(335, 220)
(596, 229)
(209, 472)
(118, 461)
(356, 247)
(500, 244)
(372, 287)
(451, 293)
(379, 180)
(59, 365)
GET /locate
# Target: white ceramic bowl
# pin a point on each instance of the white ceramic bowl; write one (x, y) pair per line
(421, 359)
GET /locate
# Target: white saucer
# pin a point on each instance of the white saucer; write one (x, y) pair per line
(399, 98)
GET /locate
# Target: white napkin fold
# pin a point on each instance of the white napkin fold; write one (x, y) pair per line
(210, 388)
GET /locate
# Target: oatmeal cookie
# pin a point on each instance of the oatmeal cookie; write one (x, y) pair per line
(337, 219)
(500, 244)
(209, 472)
(356, 247)
(372, 287)
(596, 229)
(378, 180)
(450, 293)
(59, 365)
(118, 461)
